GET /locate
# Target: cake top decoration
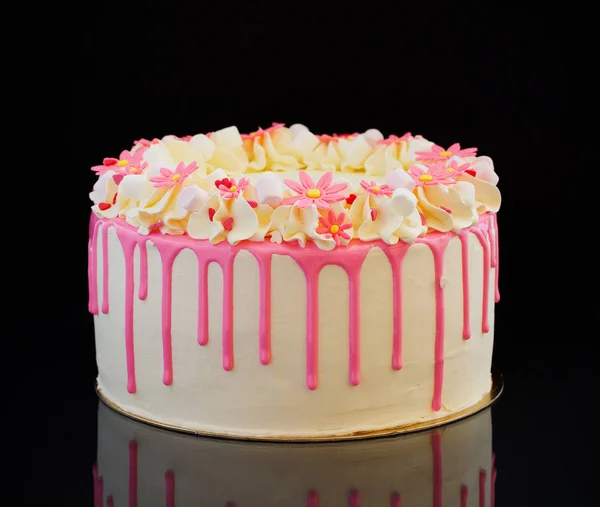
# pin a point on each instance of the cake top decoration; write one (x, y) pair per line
(288, 184)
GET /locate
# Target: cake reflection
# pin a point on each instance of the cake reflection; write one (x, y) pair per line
(143, 466)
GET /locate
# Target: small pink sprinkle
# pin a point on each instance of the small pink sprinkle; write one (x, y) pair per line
(351, 198)
(109, 161)
(447, 210)
(422, 218)
(156, 225)
(115, 198)
(373, 214)
(211, 213)
(117, 178)
(253, 204)
(471, 172)
(227, 223)
(104, 206)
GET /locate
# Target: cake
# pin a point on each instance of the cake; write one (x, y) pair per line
(287, 285)
(142, 466)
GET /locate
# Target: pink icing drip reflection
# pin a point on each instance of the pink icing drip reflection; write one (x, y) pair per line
(482, 480)
(312, 499)
(311, 261)
(438, 478)
(133, 474)
(464, 496)
(169, 489)
(396, 500)
(98, 487)
(354, 499)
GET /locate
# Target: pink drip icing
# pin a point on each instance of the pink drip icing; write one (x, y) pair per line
(482, 480)
(396, 259)
(105, 268)
(143, 289)
(354, 324)
(485, 323)
(133, 474)
(93, 271)
(312, 499)
(438, 249)
(436, 448)
(497, 257)
(396, 500)
(128, 243)
(228, 313)
(464, 496)
(169, 489)
(202, 302)
(354, 499)
(310, 259)
(464, 241)
(264, 331)
(167, 257)
(109, 501)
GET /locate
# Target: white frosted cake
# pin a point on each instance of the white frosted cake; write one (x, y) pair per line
(142, 466)
(283, 284)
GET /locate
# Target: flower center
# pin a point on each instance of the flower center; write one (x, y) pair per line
(313, 193)
(133, 170)
(232, 188)
(375, 189)
(122, 163)
(445, 153)
(426, 177)
(175, 177)
(334, 229)
(449, 169)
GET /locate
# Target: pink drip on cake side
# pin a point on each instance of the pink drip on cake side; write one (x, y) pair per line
(169, 488)
(482, 481)
(464, 496)
(464, 245)
(485, 323)
(311, 260)
(494, 220)
(438, 477)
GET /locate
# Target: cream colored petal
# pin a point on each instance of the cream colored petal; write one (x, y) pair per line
(353, 152)
(279, 161)
(436, 218)
(203, 145)
(263, 214)
(199, 225)
(383, 160)
(487, 196)
(257, 156)
(463, 215)
(408, 151)
(313, 159)
(245, 221)
(331, 161)
(360, 210)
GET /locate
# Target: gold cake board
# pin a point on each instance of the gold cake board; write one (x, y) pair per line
(486, 401)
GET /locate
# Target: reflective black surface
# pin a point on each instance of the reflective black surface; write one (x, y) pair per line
(544, 454)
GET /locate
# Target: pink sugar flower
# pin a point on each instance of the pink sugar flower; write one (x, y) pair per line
(326, 138)
(321, 194)
(261, 132)
(229, 189)
(145, 142)
(118, 165)
(453, 167)
(395, 139)
(375, 189)
(436, 174)
(170, 178)
(334, 227)
(439, 153)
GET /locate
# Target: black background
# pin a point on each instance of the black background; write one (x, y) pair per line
(93, 78)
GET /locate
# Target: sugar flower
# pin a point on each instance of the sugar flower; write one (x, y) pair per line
(434, 174)
(375, 189)
(439, 153)
(334, 227)
(395, 139)
(455, 167)
(229, 188)
(170, 178)
(321, 193)
(120, 165)
(261, 132)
